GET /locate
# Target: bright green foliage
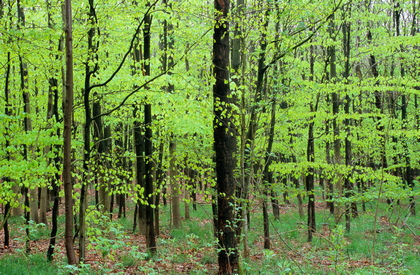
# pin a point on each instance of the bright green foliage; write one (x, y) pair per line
(297, 76)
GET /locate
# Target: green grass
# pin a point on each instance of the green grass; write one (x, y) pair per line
(31, 264)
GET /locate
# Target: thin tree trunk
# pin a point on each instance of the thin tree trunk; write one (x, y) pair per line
(336, 128)
(175, 188)
(68, 113)
(267, 176)
(150, 230)
(310, 157)
(140, 172)
(7, 112)
(310, 182)
(348, 186)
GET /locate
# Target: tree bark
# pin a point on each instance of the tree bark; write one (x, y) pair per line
(224, 143)
(175, 188)
(140, 172)
(68, 114)
(348, 186)
(7, 112)
(149, 184)
(336, 128)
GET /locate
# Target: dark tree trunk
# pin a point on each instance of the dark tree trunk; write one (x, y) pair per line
(310, 157)
(224, 143)
(378, 104)
(348, 186)
(310, 153)
(267, 175)
(149, 182)
(175, 187)
(140, 212)
(160, 177)
(7, 112)
(54, 219)
(55, 182)
(329, 182)
(150, 230)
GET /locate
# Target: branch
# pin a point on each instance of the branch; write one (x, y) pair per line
(128, 51)
(152, 79)
(277, 57)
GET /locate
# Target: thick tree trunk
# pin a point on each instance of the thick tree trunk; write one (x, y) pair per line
(43, 205)
(224, 143)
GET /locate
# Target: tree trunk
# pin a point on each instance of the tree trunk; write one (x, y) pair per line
(68, 113)
(33, 197)
(336, 128)
(53, 112)
(310, 182)
(140, 172)
(267, 176)
(310, 157)
(224, 143)
(348, 186)
(149, 188)
(7, 112)
(150, 228)
(407, 170)
(175, 188)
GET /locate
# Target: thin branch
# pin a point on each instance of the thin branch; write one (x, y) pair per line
(128, 51)
(151, 80)
(277, 57)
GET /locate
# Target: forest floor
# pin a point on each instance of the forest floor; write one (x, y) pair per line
(386, 241)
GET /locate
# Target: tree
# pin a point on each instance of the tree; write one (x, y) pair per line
(68, 115)
(224, 143)
(148, 150)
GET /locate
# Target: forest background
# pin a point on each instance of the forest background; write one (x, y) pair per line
(320, 106)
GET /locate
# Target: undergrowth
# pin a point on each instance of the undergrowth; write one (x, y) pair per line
(387, 243)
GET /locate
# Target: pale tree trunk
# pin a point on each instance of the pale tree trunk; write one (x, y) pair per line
(43, 205)
(56, 161)
(68, 113)
(336, 127)
(238, 61)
